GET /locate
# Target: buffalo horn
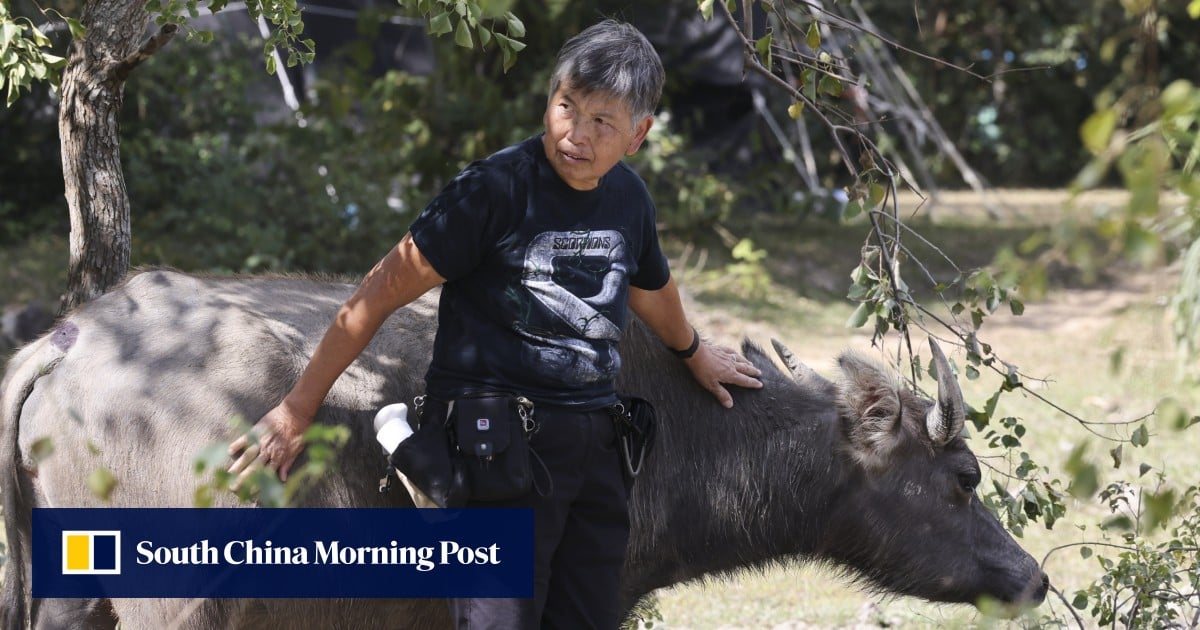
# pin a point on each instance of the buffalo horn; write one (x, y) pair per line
(800, 371)
(946, 418)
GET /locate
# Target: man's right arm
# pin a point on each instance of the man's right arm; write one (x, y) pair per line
(402, 276)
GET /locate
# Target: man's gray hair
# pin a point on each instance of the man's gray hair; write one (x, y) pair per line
(612, 58)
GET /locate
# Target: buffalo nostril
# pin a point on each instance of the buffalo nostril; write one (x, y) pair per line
(1040, 594)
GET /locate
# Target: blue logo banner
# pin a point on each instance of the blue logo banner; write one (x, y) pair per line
(293, 552)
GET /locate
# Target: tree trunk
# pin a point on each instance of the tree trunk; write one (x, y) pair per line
(93, 86)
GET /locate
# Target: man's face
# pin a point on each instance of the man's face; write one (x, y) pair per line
(587, 134)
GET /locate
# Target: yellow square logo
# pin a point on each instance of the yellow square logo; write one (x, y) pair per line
(91, 552)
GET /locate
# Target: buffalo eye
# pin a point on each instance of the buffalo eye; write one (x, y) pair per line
(969, 480)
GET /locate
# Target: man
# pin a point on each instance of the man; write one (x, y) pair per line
(540, 249)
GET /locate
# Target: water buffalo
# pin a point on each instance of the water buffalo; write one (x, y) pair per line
(859, 474)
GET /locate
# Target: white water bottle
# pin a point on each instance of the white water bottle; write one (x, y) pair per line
(391, 426)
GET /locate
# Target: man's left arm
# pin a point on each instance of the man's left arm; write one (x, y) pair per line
(712, 366)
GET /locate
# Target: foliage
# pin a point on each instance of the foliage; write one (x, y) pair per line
(467, 19)
(215, 187)
(24, 55)
(1146, 585)
(688, 193)
(1151, 135)
(218, 188)
(1146, 130)
(322, 445)
(1159, 163)
(1036, 74)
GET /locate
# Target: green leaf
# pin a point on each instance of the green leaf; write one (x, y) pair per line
(860, 275)
(1160, 507)
(462, 35)
(706, 8)
(509, 43)
(41, 449)
(1142, 245)
(1116, 455)
(875, 194)
(1085, 553)
(1171, 412)
(1084, 480)
(830, 85)
(1098, 129)
(485, 36)
(1116, 359)
(1143, 469)
(857, 293)
(990, 406)
(852, 209)
(202, 498)
(510, 57)
(796, 109)
(1140, 437)
(1193, 9)
(1016, 306)
(76, 27)
(211, 457)
(102, 483)
(1081, 598)
(972, 373)
(813, 38)
(763, 47)
(516, 28)
(1119, 522)
(860, 315)
(440, 24)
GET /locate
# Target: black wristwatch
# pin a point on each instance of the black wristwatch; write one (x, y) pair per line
(691, 350)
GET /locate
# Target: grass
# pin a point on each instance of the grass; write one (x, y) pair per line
(1105, 354)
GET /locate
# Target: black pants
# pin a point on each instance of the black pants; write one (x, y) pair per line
(581, 530)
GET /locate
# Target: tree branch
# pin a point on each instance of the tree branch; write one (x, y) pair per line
(118, 72)
(1070, 608)
(755, 65)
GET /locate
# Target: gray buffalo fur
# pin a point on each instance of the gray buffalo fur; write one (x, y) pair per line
(843, 473)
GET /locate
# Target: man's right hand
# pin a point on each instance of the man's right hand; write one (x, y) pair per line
(274, 442)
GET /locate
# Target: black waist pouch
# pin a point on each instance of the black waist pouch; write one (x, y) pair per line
(492, 431)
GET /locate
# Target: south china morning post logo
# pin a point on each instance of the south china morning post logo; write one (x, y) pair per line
(284, 552)
(91, 552)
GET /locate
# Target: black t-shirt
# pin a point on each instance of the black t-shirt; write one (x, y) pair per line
(537, 277)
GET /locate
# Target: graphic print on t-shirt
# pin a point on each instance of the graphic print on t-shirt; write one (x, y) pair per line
(578, 276)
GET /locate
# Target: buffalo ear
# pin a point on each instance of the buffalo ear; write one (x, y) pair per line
(870, 404)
